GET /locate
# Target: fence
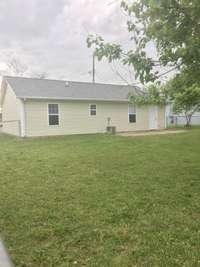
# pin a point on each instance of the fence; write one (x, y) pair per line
(11, 127)
(177, 120)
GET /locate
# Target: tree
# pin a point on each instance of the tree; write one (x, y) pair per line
(15, 66)
(39, 75)
(184, 95)
(154, 94)
(174, 27)
(185, 98)
(187, 101)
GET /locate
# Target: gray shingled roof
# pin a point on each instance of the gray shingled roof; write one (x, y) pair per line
(55, 89)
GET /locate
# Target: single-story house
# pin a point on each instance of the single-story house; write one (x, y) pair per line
(41, 107)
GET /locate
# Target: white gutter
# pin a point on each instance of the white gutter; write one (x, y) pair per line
(74, 99)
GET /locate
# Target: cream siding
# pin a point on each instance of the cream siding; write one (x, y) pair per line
(161, 117)
(75, 118)
(11, 113)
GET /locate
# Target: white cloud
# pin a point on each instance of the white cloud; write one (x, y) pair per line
(51, 35)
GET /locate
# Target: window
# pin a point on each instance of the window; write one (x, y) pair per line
(132, 113)
(53, 114)
(93, 110)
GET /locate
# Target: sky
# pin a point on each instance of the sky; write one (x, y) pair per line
(50, 36)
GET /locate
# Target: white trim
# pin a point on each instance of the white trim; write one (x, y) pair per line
(57, 125)
(153, 111)
(74, 99)
(93, 109)
(3, 89)
(166, 116)
(132, 113)
(22, 118)
(168, 108)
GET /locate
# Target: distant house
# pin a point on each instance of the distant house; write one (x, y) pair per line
(40, 107)
(173, 119)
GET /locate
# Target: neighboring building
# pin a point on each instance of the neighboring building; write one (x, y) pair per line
(173, 119)
(40, 107)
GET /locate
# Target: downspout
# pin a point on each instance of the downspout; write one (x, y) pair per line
(166, 116)
(167, 113)
(22, 118)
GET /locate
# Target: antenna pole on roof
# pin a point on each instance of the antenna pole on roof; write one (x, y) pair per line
(93, 68)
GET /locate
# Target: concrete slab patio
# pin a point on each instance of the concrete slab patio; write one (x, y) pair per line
(145, 133)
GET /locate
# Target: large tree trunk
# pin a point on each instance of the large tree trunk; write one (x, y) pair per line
(188, 120)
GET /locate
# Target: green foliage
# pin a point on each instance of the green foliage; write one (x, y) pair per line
(185, 95)
(173, 25)
(187, 101)
(152, 95)
(100, 200)
(180, 82)
(110, 51)
(142, 64)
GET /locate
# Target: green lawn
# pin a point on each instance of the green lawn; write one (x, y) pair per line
(101, 200)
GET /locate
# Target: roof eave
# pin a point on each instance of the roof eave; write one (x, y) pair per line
(72, 99)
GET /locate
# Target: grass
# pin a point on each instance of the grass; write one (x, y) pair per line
(101, 200)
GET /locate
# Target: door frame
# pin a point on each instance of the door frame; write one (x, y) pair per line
(153, 117)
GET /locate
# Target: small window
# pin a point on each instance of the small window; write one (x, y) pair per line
(132, 113)
(53, 114)
(93, 110)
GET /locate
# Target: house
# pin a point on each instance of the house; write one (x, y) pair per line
(41, 107)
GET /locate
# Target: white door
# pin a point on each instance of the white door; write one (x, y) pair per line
(153, 117)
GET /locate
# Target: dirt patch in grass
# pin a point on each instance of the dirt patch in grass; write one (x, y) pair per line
(146, 133)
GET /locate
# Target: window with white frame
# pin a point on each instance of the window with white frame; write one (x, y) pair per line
(93, 110)
(53, 114)
(132, 113)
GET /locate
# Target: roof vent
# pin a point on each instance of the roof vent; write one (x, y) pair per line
(66, 84)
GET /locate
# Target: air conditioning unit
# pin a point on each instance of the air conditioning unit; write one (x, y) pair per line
(111, 129)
